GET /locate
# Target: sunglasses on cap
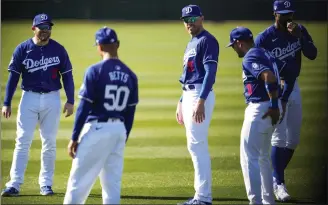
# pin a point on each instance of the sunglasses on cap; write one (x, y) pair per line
(44, 27)
(191, 19)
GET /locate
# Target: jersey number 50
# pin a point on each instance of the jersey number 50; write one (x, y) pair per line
(113, 93)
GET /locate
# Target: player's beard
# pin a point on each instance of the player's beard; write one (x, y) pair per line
(283, 22)
(44, 35)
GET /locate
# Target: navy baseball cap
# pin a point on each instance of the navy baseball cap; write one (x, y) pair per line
(283, 7)
(191, 10)
(239, 33)
(42, 19)
(106, 35)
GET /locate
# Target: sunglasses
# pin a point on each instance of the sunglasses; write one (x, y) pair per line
(191, 19)
(44, 27)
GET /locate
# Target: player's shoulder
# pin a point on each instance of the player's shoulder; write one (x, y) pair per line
(25, 45)
(269, 31)
(128, 70)
(56, 44)
(255, 54)
(207, 37)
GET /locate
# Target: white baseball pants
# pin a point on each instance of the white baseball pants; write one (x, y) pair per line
(255, 154)
(287, 134)
(197, 142)
(34, 108)
(99, 153)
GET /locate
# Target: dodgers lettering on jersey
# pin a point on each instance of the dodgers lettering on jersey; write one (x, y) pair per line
(287, 47)
(254, 63)
(111, 86)
(41, 66)
(201, 49)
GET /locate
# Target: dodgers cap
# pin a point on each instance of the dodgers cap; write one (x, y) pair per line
(191, 10)
(42, 19)
(106, 35)
(283, 7)
(240, 33)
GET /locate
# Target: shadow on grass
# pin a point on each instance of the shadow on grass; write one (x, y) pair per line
(293, 201)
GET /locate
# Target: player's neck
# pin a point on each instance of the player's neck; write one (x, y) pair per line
(279, 26)
(200, 30)
(107, 56)
(248, 47)
(38, 42)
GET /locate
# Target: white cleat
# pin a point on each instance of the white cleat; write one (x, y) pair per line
(281, 192)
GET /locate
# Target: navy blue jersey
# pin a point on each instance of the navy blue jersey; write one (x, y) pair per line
(201, 49)
(254, 63)
(287, 47)
(41, 66)
(110, 86)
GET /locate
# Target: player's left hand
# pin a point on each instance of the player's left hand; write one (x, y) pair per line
(274, 114)
(284, 105)
(68, 108)
(294, 29)
(199, 112)
(72, 148)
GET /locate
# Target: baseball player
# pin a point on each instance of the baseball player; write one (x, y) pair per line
(287, 41)
(261, 90)
(42, 62)
(196, 104)
(104, 118)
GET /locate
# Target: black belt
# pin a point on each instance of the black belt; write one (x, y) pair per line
(109, 120)
(38, 91)
(190, 87)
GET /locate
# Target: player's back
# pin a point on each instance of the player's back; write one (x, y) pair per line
(255, 62)
(115, 87)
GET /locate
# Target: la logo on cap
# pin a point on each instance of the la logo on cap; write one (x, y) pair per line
(188, 10)
(44, 17)
(287, 4)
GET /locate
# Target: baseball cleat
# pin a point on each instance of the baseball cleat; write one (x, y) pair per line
(46, 191)
(281, 193)
(194, 202)
(9, 191)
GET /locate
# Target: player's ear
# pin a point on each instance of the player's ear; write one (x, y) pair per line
(118, 44)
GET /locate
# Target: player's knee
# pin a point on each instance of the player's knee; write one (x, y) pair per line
(278, 142)
(197, 146)
(292, 144)
(24, 140)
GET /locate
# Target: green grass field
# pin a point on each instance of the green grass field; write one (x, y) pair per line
(158, 168)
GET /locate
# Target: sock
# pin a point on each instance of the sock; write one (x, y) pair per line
(288, 156)
(278, 163)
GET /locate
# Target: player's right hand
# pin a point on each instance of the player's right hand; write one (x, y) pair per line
(179, 115)
(284, 105)
(72, 148)
(6, 111)
(274, 114)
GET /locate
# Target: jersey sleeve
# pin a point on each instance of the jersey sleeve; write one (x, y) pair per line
(66, 65)
(87, 89)
(255, 66)
(134, 95)
(210, 49)
(15, 64)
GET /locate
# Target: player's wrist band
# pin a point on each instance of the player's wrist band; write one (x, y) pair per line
(271, 87)
(274, 103)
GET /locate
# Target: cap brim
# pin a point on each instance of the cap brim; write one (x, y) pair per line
(230, 44)
(182, 17)
(45, 22)
(285, 11)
